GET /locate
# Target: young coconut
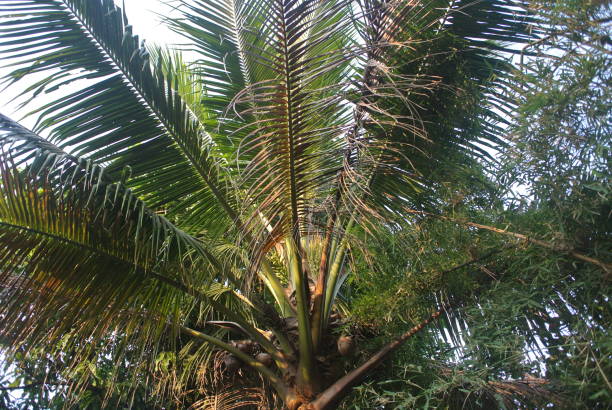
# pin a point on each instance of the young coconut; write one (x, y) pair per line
(346, 345)
(244, 348)
(264, 358)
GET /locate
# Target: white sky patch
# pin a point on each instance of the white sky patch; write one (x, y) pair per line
(144, 16)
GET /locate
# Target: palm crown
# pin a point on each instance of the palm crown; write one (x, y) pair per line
(228, 193)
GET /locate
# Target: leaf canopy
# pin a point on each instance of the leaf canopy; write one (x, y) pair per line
(175, 200)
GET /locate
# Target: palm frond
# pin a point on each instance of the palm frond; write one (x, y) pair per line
(292, 147)
(84, 259)
(91, 259)
(127, 113)
(422, 135)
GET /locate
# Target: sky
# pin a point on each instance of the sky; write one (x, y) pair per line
(143, 15)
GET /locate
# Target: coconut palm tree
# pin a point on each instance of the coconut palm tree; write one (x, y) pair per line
(220, 201)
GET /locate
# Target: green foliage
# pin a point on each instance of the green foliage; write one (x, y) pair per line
(319, 169)
(543, 315)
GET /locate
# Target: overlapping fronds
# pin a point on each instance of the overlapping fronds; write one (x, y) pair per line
(298, 77)
(383, 90)
(127, 113)
(456, 119)
(83, 258)
(91, 250)
(213, 29)
(167, 187)
(462, 389)
(233, 399)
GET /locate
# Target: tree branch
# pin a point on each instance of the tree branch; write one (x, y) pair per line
(605, 266)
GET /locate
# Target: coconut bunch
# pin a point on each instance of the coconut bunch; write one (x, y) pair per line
(337, 348)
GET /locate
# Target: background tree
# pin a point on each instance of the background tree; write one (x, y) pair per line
(199, 222)
(534, 319)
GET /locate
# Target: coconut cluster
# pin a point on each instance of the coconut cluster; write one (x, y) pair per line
(233, 364)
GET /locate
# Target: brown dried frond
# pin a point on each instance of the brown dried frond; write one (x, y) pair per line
(251, 398)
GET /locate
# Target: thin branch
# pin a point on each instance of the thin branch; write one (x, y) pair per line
(27, 386)
(471, 261)
(558, 248)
